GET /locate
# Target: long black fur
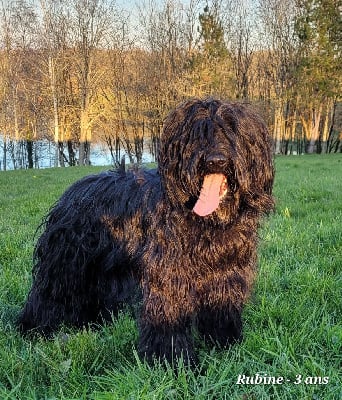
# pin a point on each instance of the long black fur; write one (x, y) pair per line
(111, 233)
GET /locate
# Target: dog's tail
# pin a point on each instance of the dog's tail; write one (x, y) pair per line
(120, 166)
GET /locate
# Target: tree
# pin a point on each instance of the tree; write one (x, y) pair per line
(92, 20)
(168, 40)
(277, 63)
(54, 30)
(18, 23)
(319, 30)
(242, 48)
(212, 64)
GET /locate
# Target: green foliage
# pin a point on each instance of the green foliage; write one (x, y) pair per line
(292, 323)
(320, 22)
(212, 34)
(210, 65)
(319, 29)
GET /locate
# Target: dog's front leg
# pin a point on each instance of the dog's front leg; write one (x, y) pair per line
(220, 325)
(163, 339)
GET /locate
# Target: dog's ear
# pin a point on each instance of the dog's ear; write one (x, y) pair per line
(253, 164)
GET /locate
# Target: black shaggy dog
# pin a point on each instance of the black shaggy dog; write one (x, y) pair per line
(186, 233)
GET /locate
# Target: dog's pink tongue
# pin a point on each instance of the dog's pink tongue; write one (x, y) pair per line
(209, 198)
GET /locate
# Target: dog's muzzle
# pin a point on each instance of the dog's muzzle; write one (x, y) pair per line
(215, 163)
(214, 186)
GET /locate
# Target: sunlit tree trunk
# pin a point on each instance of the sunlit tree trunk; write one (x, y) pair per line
(311, 124)
(278, 130)
(328, 121)
(85, 138)
(54, 95)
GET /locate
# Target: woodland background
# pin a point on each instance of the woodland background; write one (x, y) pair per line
(74, 73)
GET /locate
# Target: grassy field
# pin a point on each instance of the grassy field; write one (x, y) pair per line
(292, 324)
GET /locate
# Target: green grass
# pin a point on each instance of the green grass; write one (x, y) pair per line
(292, 323)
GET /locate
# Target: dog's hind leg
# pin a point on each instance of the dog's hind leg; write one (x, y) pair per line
(62, 300)
(64, 284)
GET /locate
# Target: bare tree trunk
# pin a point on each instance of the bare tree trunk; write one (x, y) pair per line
(16, 145)
(4, 159)
(13, 153)
(71, 153)
(294, 125)
(328, 118)
(85, 138)
(52, 76)
(29, 149)
(278, 128)
(331, 128)
(311, 128)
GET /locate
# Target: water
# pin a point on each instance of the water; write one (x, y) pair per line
(44, 155)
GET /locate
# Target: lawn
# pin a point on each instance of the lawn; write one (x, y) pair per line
(293, 330)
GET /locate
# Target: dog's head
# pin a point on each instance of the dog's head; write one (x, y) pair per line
(215, 159)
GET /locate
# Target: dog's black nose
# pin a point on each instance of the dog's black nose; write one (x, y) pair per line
(216, 161)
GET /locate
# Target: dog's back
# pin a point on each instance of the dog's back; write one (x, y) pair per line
(88, 248)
